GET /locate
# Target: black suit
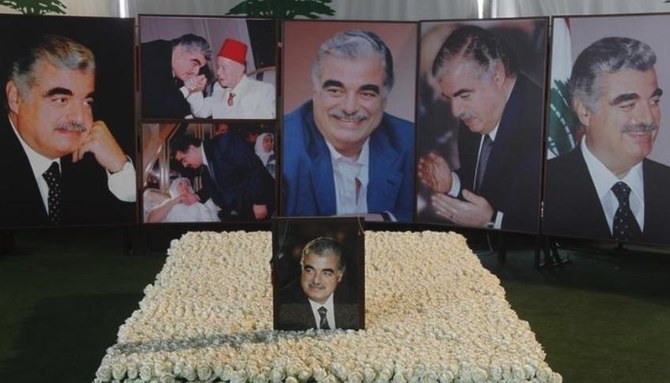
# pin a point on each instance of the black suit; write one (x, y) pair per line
(86, 198)
(239, 178)
(572, 207)
(512, 179)
(161, 97)
(293, 311)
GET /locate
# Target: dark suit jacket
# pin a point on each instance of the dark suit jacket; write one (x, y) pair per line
(513, 172)
(572, 207)
(293, 311)
(161, 97)
(240, 179)
(308, 187)
(86, 198)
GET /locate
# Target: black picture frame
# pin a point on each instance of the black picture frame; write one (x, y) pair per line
(291, 308)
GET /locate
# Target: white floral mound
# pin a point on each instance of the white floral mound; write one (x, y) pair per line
(433, 313)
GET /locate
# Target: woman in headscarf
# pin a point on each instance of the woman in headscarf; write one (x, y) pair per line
(264, 149)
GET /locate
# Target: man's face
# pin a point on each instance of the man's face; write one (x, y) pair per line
(192, 158)
(621, 129)
(348, 101)
(228, 72)
(56, 113)
(186, 63)
(320, 276)
(477, 98)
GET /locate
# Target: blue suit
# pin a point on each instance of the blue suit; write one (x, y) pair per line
(308, 186)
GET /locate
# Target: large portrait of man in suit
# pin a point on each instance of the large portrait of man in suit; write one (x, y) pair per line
(347, 149)
(326, 293)
(607, 186)
(481, 114)
(66, 160)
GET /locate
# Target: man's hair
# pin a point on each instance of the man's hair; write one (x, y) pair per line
(322, 246)
(607, 55)
(353, 45)
(182, 143)
(59, 51)
(476, 45)
(191, 43)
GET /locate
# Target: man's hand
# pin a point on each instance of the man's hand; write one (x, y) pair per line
(475, 211)
(434, 172)
(195, 83)
(99, 141)
(260, 211)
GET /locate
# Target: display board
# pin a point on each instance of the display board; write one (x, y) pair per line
(480, 123)
(442, 122)
(348, 131)
(608, 164)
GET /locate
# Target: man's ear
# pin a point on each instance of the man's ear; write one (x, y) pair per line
(340, 275)
(499, 75)
(583, 112)
(13, 97)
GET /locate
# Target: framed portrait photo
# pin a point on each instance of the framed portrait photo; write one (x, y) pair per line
(68, 134)
(318, 273)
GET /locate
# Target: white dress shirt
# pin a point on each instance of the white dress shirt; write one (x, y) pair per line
(121, 184)
(456, 181)
(253, 99)
(603, 180)
(330, 313)
(350, 197)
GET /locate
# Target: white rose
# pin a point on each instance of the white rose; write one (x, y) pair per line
(145, 372)
(304, 375)
(132, 371)
(104, 373)
(518, 373)
(276, 375)
(446, 377)
(118, 371)
(479, 375)
(204, 372)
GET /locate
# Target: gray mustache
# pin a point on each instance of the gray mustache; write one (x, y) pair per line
(466, 116)
(73, 126)
(349, 117)
(640, 128)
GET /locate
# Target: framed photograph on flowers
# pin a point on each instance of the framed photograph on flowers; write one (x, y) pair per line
(318, 272)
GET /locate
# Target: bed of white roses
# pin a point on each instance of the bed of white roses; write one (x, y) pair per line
(433, 313)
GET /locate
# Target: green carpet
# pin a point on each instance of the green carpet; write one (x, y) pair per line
(603, 318)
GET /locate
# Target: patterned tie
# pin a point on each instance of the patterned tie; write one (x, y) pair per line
(487, 145)
(231, 97)
(52, 177)
(323, 323)
(624, 227)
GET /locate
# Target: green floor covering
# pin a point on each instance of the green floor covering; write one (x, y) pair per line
(604, 317)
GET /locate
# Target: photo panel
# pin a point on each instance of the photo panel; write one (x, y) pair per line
(607, 156)
(68, 141)
(319, 273)
(208, 172)
(348, 127)
(207, 67)
(480, 123)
